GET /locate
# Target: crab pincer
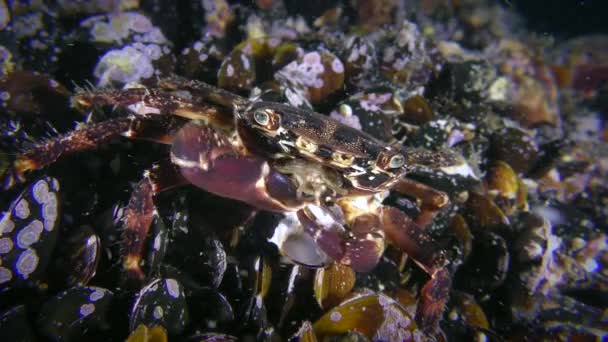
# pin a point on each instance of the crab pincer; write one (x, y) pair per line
(210, 161)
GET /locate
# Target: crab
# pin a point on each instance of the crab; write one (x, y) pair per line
(273, 157)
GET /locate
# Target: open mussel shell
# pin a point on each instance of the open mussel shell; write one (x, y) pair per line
(332, 284)
(28, 232)
(297, 245)
(72, 313)
(145, 334)
(376, 316)
(162, 302)
(14, 325)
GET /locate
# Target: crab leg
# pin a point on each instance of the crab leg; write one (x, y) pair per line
(87, 139)
(204, 91)
(156, 101)
(431, 198)
(46, 153)
(359, 247)
(140, 212)
(427, 253)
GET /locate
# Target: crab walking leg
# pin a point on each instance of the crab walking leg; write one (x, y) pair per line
(140, 213)
(431, 200)
(360, 247)
(426, 252)
(46, 153)
(156, 101)
(203, 91)
(90, 138)
(429, 197)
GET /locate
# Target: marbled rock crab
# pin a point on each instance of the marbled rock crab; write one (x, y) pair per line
(273, 157)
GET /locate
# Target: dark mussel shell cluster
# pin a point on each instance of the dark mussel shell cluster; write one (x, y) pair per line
(526, 235)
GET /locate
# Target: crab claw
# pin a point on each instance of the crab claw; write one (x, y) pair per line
(361, 247)
(208, 160)
(426, 252)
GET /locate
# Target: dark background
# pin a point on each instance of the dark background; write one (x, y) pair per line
(564, 18)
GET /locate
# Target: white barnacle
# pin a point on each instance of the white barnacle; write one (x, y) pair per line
(6, 225)
(6, 245)
(245, 61)
(49, 212)
(157, 242)
(5, 275)
(142, 109)
(86, 309)
(22, 209)
(158, 312)
(337, 66)
(96, 295)
(229, 70)
(54, 184)
(26, 263)
(40, 191)
(172, 287)
(29, 234)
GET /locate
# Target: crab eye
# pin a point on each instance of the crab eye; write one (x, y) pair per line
(261, 117)
(396, 161)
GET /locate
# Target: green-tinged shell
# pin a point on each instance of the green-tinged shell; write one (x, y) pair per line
(376, 316)
(502, 181)
(485, 214)
(506, 187)
(144, 334)
(417, 111)
(333, 284)
(467, 309)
